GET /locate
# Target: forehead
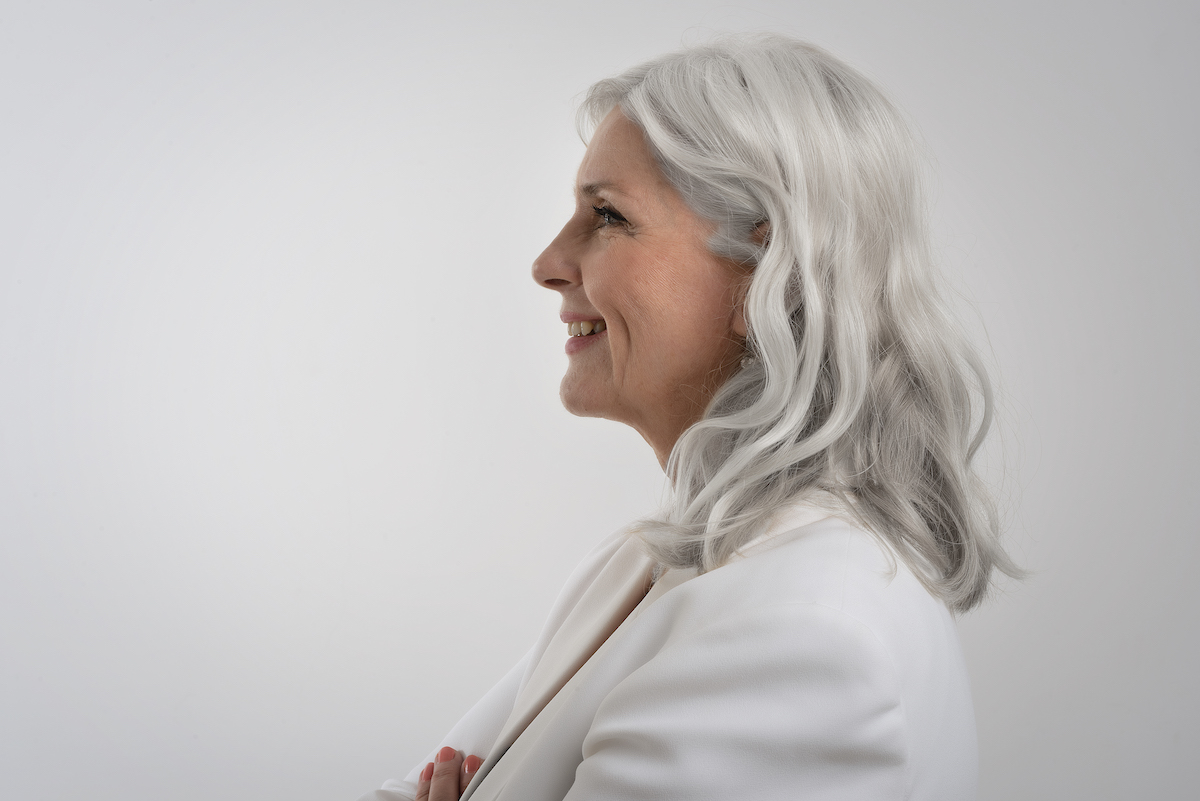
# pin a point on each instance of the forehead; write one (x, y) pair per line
(618, 161)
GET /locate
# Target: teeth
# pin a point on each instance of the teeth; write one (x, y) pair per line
(586, 327)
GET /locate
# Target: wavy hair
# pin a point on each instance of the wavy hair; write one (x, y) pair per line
(860, 382)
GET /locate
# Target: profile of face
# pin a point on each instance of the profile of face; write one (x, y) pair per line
(633, 268)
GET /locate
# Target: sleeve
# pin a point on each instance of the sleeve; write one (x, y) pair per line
(473, 734)
(794, 701)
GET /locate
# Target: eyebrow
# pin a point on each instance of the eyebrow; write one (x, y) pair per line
(598, 186)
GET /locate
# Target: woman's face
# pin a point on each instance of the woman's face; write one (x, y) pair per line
(634, 258)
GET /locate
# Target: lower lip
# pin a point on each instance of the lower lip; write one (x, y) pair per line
(576, 344)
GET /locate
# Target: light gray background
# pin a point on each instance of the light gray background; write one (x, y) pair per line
(284, 482)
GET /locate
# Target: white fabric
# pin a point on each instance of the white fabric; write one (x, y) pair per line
(815, 667)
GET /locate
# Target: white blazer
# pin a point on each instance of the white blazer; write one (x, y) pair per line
(814, 666)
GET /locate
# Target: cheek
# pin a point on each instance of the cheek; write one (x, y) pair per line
(697, 306)
(659, 296)
(684, 340)
(670, 313)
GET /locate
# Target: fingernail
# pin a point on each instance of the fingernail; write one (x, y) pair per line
(472, 763)
(427, 774)
(446, 754)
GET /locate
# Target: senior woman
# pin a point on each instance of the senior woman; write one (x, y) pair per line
(746, 280)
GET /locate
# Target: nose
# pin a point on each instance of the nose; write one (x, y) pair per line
(557, 268)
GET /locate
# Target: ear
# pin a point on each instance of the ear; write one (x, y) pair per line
(737, 319)
(759, 236)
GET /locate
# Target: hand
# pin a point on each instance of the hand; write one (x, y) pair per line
(445, 779)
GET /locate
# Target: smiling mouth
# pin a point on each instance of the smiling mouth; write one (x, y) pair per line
(585, 328)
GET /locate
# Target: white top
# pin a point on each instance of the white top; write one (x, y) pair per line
(815, 666)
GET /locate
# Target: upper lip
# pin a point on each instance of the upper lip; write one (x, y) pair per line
(575, 317)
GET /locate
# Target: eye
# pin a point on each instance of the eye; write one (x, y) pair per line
(609, 216)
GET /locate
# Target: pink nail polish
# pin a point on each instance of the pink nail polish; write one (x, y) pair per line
(427, 773)
(446, 754)
(472, 763)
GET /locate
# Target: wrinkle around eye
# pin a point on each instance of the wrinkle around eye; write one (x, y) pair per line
(608, 216)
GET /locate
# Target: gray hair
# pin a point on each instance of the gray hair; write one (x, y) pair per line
(860, 382)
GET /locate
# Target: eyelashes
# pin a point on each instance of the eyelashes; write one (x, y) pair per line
(609, 216)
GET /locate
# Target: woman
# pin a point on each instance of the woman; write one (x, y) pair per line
(746, 281)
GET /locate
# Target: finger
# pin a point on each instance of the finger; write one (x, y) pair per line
(444, 784)
(423, 782)
(469, 769)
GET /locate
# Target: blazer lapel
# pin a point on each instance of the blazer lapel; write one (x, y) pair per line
(620, 586)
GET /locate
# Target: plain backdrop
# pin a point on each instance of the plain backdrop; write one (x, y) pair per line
(284, 481)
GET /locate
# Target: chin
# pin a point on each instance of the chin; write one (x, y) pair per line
(579, 399)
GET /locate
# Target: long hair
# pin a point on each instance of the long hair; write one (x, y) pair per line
(859, 382)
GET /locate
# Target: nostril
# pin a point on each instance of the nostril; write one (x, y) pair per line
(553, 282)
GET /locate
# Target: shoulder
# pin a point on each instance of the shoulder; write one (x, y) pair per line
(822, 637)
(830, 563)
